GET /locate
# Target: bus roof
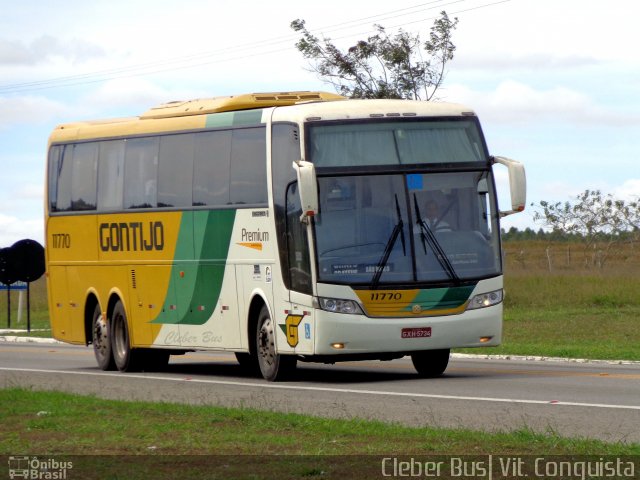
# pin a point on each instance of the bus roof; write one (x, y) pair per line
(238, 102)
(301, 106)
(371, 109)
(184, 114)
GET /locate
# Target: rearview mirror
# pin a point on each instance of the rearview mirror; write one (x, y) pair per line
(517, 184)
(307, 188)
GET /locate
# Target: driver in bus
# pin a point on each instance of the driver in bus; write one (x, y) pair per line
(433, 219)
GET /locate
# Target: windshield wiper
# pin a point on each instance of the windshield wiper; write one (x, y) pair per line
(398, 230)
(427, 236)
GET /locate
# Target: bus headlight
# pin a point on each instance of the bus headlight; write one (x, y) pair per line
(485, 300)
(337, 305)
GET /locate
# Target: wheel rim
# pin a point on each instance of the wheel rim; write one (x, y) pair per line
(266, 345)
(100, 337)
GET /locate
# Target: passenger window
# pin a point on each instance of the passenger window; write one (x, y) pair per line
(84, 177)
(175, 171)
(211, 168)
(111, 175)
(64, 170)
(141, 173)
(55, 164)
(248, 175)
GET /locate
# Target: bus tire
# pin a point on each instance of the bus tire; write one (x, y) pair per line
(125, 358)
(431, 363)
(274, 367)
(101, 340)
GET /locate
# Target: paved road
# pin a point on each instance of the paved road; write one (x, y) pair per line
(580, 400)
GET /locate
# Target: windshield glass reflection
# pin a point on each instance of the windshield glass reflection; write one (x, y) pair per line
(406, 228)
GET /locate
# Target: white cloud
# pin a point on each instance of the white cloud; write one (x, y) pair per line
(13, 52)
(513, 61)
(629, 190)
(45, 48)
(560, 191)
(134, 94)
(31, 191)
(13, 229)
(30, 109)
(513, 101)
(567, 28)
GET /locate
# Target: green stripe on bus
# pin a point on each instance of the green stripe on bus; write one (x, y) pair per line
(441, 298)
(194, 287)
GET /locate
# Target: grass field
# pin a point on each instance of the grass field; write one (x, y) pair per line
(39, 308)
(140, 440)
(573, 309)
(71, 424)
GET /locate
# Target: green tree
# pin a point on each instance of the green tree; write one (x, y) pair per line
(599, 220)
(384, 65)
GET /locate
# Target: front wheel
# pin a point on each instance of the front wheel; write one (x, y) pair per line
(431, 363)
(274, 367)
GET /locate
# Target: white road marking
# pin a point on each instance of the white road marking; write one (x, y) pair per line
(274, 386)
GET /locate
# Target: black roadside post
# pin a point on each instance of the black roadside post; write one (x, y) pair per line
(29, 307)
(24, 262)
(27, 258)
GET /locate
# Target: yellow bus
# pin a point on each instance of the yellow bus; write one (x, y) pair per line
(284, 227)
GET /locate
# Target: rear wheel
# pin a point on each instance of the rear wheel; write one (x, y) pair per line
(128, 359)
(101, 341)
(431, 363)
(125, 358)
(274, 367)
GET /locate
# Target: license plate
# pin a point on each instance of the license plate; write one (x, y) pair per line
(418, 332)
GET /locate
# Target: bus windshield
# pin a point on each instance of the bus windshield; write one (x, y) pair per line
(407, 228)
(407, 142)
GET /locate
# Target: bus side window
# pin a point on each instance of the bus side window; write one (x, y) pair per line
(55, 159)
(175, 170)
(212, 156)
(248, 169)
(141, 173)
(64, 171)
(84, 176)
(297, 244)
(110, 175)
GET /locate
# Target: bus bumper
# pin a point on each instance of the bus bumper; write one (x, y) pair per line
(342, 334)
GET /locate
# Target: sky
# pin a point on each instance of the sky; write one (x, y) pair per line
(556, 83)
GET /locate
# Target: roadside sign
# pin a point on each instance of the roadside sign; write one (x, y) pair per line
(21, 263)
(14, 286)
